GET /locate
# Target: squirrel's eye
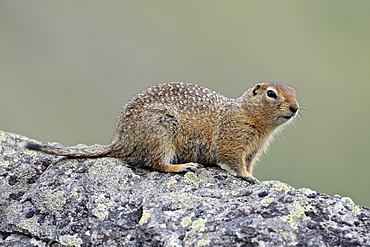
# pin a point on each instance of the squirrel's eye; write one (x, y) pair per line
(271, 94)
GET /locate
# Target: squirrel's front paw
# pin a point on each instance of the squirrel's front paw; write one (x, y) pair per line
(250, 179)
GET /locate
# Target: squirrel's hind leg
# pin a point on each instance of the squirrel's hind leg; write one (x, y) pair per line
(163, 162)
(177, 167)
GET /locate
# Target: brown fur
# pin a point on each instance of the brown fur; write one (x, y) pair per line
(174, 127)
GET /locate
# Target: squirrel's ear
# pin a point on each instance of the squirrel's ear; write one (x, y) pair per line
(255, 90)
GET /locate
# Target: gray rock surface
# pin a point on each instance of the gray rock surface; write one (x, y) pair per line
(48, 201)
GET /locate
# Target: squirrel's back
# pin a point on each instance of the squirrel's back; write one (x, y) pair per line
(184, 97)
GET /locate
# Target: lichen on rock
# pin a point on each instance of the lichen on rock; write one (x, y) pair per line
(48, 201)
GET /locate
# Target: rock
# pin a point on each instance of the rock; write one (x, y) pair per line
(52, 201)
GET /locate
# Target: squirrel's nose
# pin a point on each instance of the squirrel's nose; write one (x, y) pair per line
(293, 109)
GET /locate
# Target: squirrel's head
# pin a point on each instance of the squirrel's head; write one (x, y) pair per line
(275, 103)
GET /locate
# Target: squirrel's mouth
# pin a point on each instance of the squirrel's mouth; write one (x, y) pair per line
(288, 116)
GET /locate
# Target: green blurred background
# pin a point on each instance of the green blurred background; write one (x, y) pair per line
(67, 67)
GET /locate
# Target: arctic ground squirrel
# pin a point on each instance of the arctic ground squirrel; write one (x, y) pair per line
(177, 127)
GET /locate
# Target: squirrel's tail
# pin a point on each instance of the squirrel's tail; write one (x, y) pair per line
(76, 151)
